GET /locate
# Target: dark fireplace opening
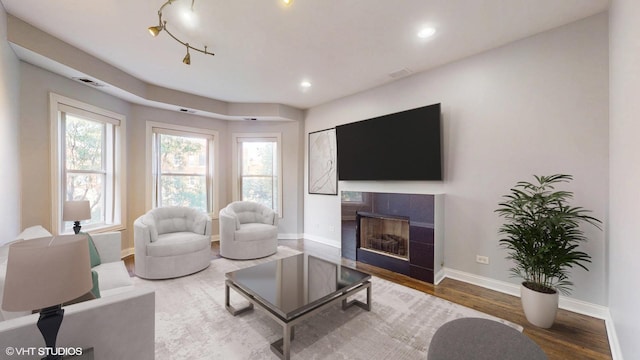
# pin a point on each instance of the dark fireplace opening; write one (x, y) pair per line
(384, 234)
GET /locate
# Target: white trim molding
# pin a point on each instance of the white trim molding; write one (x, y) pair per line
(566, 303)
(322, 240)
(290, 236)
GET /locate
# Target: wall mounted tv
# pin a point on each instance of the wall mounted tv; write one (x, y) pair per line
(400, 146)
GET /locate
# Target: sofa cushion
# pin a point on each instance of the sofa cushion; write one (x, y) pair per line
(178, 243)
(95, 290)
(256, 232)
(94, 256)
(112, 275)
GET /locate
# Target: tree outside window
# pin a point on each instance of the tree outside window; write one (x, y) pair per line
(258, 176)
(182, 168)
(85, 165)
(88, 148)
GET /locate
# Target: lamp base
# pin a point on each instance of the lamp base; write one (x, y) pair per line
(76, 227)
(49, 324)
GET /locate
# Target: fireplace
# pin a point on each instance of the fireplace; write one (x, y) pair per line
(383, 234)
(396, 232)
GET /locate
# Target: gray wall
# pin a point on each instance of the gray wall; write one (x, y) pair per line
(9, 143)
(35, 86)
(535, 106)
(624, 267)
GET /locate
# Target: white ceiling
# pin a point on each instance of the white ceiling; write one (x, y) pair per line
(264, 50)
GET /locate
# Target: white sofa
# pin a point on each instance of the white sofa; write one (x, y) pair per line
(248, 230)
(171, 242)
(118, 325)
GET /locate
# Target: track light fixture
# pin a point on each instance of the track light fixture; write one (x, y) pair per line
(187, 58)
(162, 25)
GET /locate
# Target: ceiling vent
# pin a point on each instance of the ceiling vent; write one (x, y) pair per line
(400, 73)
(88, 81)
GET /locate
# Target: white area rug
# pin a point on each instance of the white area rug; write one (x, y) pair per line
(192, 322)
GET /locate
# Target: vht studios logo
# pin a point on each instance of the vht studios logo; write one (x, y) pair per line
(43, 351)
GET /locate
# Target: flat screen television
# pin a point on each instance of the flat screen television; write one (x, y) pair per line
(400, 146)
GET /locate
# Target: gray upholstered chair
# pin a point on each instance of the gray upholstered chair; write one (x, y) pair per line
(171, 242)
(248, 230)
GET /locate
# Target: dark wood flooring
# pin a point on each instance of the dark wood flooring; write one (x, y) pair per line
(573, 336)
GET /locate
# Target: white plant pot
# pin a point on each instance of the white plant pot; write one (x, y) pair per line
(539, 308)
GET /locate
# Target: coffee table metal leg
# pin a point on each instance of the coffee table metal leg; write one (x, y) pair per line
(230, 308)
(366, 306)
(282, 347)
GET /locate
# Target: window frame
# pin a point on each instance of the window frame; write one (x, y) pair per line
(235, 168)
(114, 162)
(213, 156)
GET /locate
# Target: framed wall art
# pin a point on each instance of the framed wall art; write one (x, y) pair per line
(323, 164)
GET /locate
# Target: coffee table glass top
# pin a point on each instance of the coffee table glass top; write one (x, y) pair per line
(293, 285)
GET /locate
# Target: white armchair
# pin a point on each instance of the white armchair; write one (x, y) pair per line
(248, 230)
(171, 242)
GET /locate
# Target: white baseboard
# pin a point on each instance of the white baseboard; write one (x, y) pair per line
(323, 240)
(614, 344)
(289, 236)
(566, 303)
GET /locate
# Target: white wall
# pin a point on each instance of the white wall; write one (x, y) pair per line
(624, 245)
(536, 106)
(9, 141)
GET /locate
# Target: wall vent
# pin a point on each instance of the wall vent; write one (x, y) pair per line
(400, 73)
(251, 119)
(188, 111)
(88, 81)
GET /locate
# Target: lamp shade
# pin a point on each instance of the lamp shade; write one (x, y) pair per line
(76, 210)
(46, 271)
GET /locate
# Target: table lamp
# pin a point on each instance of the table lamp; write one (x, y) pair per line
(76, 211)
(43, 274)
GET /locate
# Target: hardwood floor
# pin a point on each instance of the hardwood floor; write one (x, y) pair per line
(573, 336)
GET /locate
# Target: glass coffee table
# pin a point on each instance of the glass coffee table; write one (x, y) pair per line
(295, 288)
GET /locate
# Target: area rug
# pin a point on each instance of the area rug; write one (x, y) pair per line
(192, 322)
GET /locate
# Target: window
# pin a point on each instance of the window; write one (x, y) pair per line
(182, 167)
(257, 172)
(87, 152)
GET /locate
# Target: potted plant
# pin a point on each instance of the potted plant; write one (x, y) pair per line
(542, 234)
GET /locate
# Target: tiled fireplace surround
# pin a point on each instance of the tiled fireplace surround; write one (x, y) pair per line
(422, 212)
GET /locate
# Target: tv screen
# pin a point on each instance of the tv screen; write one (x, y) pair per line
(400, 146)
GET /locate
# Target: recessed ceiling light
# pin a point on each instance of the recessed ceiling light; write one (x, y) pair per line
(305, 84)
(287, 2)
(426, 32)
